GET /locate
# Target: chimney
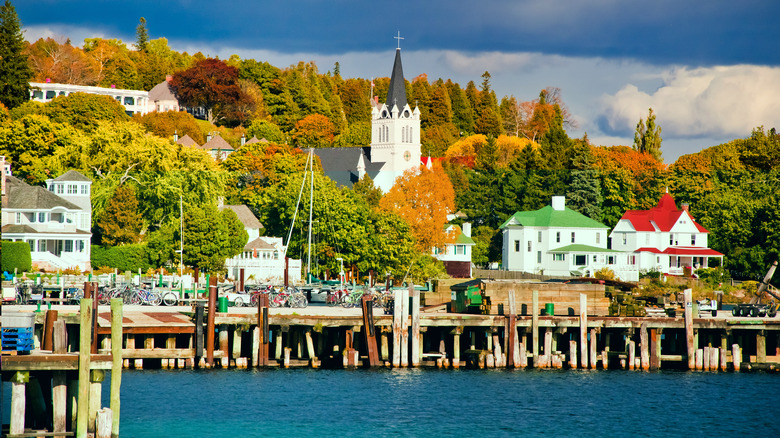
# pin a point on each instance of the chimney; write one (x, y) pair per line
(467, 229)
(168, 78)
(175, 136)
(684, 206)
(558, 203)
(208, 137)
(243, 139)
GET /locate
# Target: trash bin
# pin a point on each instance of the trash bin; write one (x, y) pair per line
(17, 331)
(549, 309)
(222, 305)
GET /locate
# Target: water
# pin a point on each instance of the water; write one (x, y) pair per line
(435, 403)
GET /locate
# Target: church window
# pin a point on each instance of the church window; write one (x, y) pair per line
(406, 113)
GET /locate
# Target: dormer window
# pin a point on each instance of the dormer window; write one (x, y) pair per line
(84, 189)
(406, 113)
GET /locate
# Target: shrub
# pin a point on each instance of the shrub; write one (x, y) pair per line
(16, 255)
(604, 274)
(124, 258)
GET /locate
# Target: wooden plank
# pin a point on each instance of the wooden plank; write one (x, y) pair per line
(84, 358)
(153, 330)
(415, 312)
(18, 402)
(584, 331)
(210, 320)
(535, 326)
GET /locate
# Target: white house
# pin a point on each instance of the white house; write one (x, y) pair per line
(555, 240)
(162, 99)
(55, 222)
(134, 101)
(263, 257)
(663, 238)
(456, 256)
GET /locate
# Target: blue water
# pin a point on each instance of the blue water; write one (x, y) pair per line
(434, 403)
(391, 403)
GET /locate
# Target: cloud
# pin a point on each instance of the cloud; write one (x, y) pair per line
(723, 101)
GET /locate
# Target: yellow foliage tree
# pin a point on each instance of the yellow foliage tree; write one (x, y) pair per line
(509, 147)
(423, 199)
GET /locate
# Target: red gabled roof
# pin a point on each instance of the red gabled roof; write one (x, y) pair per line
(686, 250)
(665, 214)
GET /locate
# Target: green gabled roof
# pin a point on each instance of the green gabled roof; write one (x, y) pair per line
(576, 247)
(547, 217)
(460, 238)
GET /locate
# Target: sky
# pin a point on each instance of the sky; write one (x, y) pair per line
(710, 69)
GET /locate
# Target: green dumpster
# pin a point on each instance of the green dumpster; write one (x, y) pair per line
(549, 309)
(222, 305)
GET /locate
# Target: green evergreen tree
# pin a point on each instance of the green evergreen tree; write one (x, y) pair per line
(489, 123)
(15, 72)
(462, 113)
(647, 138)
(121, 222)
(142, 35)
(584, 194)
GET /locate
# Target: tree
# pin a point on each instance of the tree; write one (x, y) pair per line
(84, 111)
(366, 188)
(15, 73)
(211, 237)
(314, 130)
(647, 138)
(263, 129)
(489, 123)
(584, 194)
(165, 124)
(141, 35)
(211, 84)
(121, 222)
(423, 198)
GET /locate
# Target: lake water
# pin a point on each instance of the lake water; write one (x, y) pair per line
(440, 403)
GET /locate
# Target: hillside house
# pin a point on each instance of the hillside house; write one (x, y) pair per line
(456, 256)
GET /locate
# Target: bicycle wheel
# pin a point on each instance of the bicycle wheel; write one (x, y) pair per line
(253, 299)
(239, 302)
(170, 299)
(274, 301)
(135, 299)
(155, 299)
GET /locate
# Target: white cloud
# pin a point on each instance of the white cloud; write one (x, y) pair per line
(724, 101)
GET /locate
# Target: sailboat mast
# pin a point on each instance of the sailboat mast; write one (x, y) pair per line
(311, 212)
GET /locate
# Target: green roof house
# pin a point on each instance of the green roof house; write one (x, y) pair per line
(555, 240)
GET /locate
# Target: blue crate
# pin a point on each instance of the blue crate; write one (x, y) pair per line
(17, 338)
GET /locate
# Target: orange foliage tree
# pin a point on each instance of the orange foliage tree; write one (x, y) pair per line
(423, 199)
(314, 130)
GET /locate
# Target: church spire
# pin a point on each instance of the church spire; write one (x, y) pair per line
(396, 94)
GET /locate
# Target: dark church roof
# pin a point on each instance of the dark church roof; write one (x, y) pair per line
(396, 94)
(340, 164)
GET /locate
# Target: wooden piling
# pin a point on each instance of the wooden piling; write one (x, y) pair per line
(103, 423)
(116, 363)
(96, 378)
(594, 358)
(761, 346)
(548, 340)
(405, 326)
(535, 326)
(397, 315)
(699, 357)
(714, 358)
(18, 401)
(736, 357)
(456, 347)
(310, 349)
(415, 312)
(644, 347)
(689, 340)
(48, 330)
(584, 330)
(723, 359)
(59, 380)
(631, 354)
(85, 338)
(497, 354)
(510, 333)
(210, 321)
(369, 330)
(655, 349)
(573, 355)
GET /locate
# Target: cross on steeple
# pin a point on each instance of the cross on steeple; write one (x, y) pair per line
(399, 38)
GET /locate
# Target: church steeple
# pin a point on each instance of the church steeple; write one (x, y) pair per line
(396, 94)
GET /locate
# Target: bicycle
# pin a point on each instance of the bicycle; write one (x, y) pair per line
(353, 299)
(336, 296)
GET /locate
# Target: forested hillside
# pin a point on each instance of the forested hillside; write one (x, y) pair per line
(499, 155)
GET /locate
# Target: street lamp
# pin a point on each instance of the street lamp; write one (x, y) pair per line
(341, 272)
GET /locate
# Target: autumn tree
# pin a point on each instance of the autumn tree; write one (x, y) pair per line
(423, 198)
(15, 73)
(263, 129)
(166, 123)
(121, 221)
(211, 84)
(647, 138)
(84, 111)
(62, 63)
(314, 130)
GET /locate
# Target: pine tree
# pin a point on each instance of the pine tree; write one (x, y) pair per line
(142, 35)
(15, 72)
(121, 222)
(584, 193)
(647, 138)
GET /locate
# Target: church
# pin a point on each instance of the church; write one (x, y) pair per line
(395, 141)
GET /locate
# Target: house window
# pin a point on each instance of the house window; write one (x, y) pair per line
(595, 258)
(72, 190)
(60, 188)
(598, 238)
(460, 249)
(129, 100)
(51, 94)
(84, 189)
(41, 245)
(538, 257)
(435, 251)
(529, 246)
(18, 217)
(558, 237)
(51, 188)
(32, 245)
(632, 260)
(693, 240)
(80, 245)
(517, 246)
(41, 217)
(68, 246)
(559, 257)
(671, 239)
(610, 260)
(572, 237)
(539, 239)
(625, 238)
(580, 259)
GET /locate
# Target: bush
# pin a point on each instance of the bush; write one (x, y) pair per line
(124, 258)
(16, 255)
(604, 274)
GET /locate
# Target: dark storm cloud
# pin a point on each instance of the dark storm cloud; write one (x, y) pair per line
(660, 32)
